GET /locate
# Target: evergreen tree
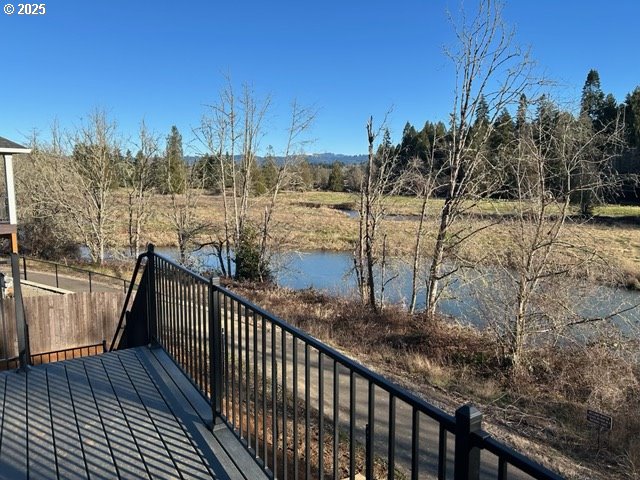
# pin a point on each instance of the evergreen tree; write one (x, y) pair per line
(336, 178)
(521, 115)
(482, 112)
(270, 173)
(632, 118)
(593, 98)
(173, 171)
(502, 148)
(409, 146)
(208, 167)
(258, 185)
(306, 175)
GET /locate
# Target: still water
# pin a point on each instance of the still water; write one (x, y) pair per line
(471, 297)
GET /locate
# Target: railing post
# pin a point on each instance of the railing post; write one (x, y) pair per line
(24, 266)
(152, 319)
(215, 351)
(90, 288)
(467, 456)
(57, 281)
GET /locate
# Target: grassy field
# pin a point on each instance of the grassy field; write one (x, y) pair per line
(319, 221)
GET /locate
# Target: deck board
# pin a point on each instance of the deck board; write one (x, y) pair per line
(68, 448)
(13, 451)
(42, 455)
(126, 453)
(128, 414)
(100, 463)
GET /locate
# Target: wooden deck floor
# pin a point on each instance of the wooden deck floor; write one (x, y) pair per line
(129, 414)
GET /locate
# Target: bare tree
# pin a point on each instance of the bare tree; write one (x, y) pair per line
(378, 183)
(288, 172)
(182, 213)
(546, 254)
(95, 165)
(421, 179)
(490, 74)
(138, 176)
(45, 226)
(231, 132)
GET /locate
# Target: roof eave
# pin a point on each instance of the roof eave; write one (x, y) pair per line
(10, 151)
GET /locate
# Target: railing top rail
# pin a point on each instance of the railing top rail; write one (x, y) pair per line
(182, 268)
(485, 441)
(76, 268)
(120, 325)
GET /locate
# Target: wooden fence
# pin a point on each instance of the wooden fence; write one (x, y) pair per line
(62, 322)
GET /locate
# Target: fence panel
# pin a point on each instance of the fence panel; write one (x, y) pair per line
(62, 322)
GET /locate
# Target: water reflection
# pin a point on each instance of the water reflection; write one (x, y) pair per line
(472, 296)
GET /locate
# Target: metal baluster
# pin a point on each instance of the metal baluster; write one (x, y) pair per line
(336, 419)
(285, 432)
(263, 337)
(352, 425)
(247, 375)
(442, 453)
(295, 407)
(370, 431)
(415, 444)
(226, 357)
(307, 407)
(391, 457)
(274, 401)
(233, 364)
(502, 469)
(321, 416)
(240, 372)
(255, 381)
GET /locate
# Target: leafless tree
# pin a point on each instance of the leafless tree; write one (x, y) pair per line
(77, 182)
(182, 213)
(95, 166)
(138, 177)
(45, 226)
(378, 183)
(288, 169)
(231, 132)
(491, 73)
(545, 255)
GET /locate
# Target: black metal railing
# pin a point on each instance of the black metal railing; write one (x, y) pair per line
(56, 355)
(66, 276)
(303, 409)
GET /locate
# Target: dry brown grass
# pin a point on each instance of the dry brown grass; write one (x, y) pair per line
(542, 411)
(317, 221)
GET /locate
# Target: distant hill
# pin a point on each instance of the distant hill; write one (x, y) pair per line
(336, 157)
(314, 158)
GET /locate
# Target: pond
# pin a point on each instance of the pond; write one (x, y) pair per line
(471, 297)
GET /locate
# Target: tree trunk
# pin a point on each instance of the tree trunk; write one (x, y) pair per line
(416, 257)
(435, 271)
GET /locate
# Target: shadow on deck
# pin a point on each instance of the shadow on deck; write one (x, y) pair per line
(125, 414)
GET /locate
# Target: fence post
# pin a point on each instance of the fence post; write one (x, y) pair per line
(24, 266)
(152, 320)
(467, 456)
(21, 323)
(215, 351)
(57, 281)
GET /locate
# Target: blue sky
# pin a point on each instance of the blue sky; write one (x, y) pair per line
(164, 61)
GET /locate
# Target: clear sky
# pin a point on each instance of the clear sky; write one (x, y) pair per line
(165, 61)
